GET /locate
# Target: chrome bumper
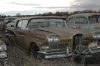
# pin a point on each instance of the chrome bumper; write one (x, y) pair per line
(94, 50)
(53, 54)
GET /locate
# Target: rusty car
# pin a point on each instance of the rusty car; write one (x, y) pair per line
(58, 37)
(88, 24)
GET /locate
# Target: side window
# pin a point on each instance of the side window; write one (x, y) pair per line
(81, 20)
(52, 24)
(71, 21)
(60, 24)
(24, 24)
(19, 24)
(57, 24)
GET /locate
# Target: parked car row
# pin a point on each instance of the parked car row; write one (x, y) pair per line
(58, 36)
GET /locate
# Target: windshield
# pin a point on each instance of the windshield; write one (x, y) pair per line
(42, 23)
(94, 19)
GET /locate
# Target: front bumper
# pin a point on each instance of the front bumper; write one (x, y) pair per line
(48, 54)
(93, 52)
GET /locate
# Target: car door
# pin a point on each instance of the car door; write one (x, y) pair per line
(82, 23)
(21, 32)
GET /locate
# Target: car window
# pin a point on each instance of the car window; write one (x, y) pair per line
(38, 23)
(19, 24)
(94, 19)
(56, 23)
(60, 24)
(42, 23)
(22, 24)
(81, 20)
(71, 21)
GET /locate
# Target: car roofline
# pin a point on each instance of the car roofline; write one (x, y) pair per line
(85, 14)
(42, 17)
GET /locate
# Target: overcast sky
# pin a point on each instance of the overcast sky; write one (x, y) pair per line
(40, 6)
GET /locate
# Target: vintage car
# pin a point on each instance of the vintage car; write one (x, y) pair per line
(56, 37)
(87, 24)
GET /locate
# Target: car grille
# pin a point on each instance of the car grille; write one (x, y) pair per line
(61, 45)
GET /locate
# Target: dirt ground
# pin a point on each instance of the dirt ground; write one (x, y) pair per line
(18, 57)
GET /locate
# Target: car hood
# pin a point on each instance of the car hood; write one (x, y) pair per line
(63, 33)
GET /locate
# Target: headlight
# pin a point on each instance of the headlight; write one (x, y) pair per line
(3, 47)
(53, 38)
(3, 55)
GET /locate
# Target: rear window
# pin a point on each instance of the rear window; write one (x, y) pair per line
(94, 19)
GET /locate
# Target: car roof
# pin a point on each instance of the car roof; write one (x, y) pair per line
(42, 17)
(85, 14)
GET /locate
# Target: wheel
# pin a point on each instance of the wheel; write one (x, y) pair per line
(34, 50)
(80, 59)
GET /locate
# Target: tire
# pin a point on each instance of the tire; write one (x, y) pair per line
(34, 50)
(78, 59)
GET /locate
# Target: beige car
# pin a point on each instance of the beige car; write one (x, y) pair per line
(54, 37)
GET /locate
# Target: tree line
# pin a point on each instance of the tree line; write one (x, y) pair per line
(67, 13)
(52, 14)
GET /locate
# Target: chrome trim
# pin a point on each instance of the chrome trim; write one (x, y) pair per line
(94, 50)
(56, 56)
(3, 47)
(54, 53)
(3, 55)
(53, 38)
(96, 36)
